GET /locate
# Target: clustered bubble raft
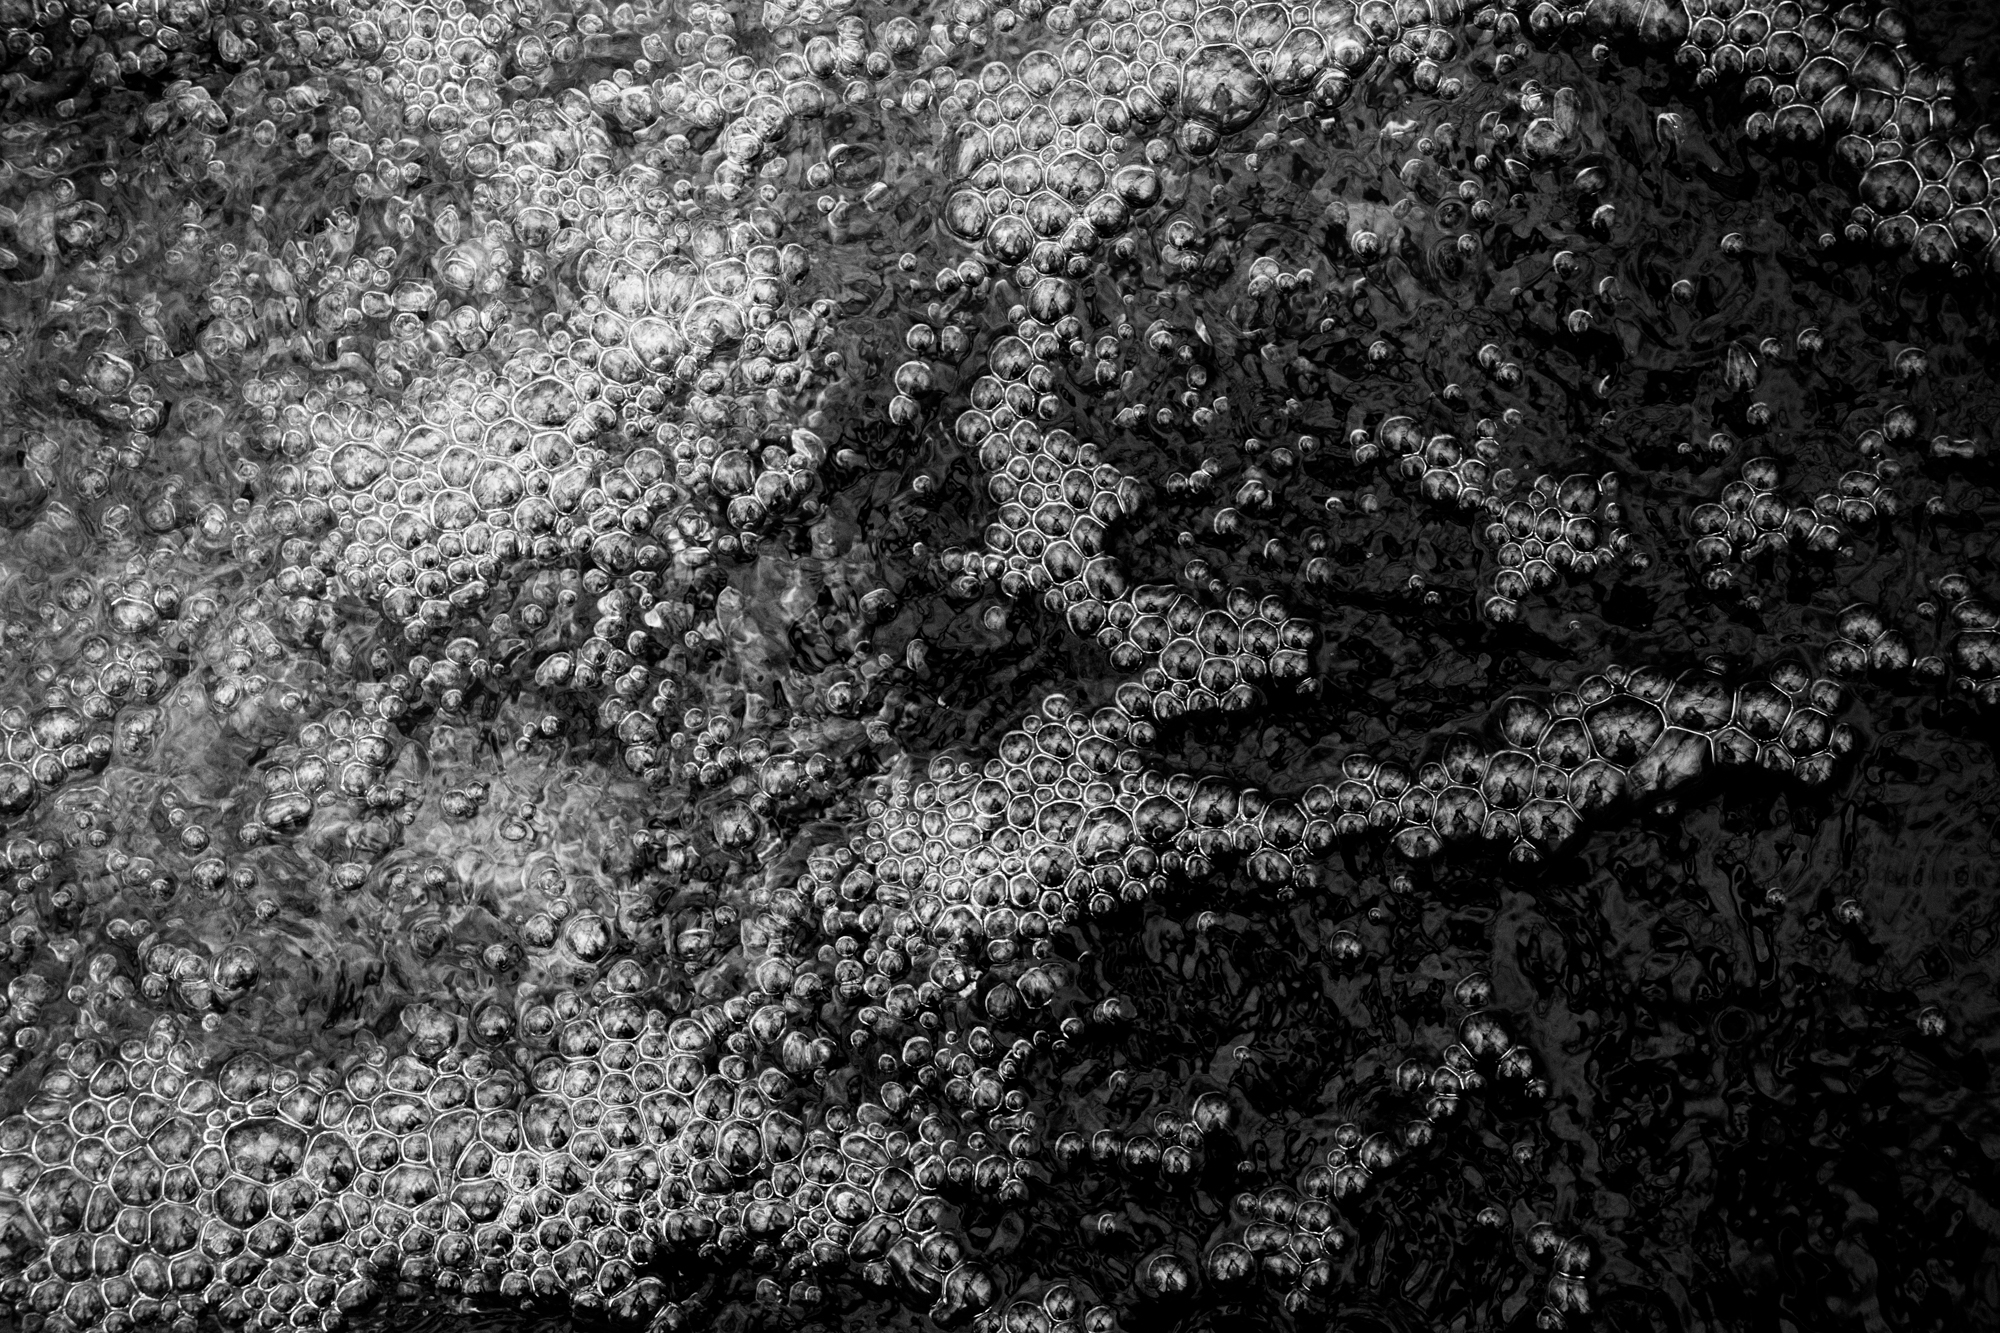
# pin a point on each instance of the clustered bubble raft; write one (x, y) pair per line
(542, 434)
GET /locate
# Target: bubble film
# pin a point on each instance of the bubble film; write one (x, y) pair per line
(1038, 667)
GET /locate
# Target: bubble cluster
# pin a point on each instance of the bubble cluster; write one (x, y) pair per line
(267, 1192)
(1090, 824)
(1191, 659)
(1867, 642)
(1843, 80)
(1750, 519)
(1973, 649)
(1560, 528)
(1057, 502)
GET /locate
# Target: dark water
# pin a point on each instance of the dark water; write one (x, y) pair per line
(1082, 667)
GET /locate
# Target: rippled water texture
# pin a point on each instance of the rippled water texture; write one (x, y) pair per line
(1117, 665)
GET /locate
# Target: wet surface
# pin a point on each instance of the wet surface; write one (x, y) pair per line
(1069, 667)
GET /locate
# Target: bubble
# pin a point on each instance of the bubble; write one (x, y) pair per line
(588, 936)
(1165, 1276)
(1522, 722)
(1623, 728)
(1009, 238)
(1221, 85)
(266, 1151)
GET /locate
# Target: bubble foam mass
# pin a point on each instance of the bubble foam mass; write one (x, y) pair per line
(611, 613)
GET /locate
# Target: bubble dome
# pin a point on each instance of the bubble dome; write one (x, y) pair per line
(1027, 667)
